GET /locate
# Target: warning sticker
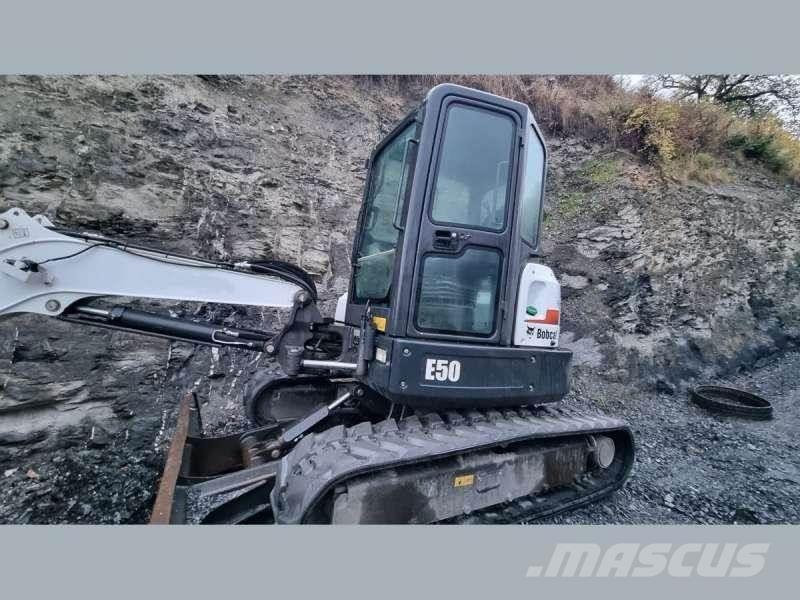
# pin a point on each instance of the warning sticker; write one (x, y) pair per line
(463, 480)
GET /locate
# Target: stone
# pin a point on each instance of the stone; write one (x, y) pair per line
(98, 437)
(665, 387)
(576, 282)
(315, 261)
(14, 438)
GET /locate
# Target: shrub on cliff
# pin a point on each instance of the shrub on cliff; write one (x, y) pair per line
(684, 137)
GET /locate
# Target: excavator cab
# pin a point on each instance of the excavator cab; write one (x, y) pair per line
(449, 222)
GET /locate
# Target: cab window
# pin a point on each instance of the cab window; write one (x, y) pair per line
(531, 199)
(379, 237)
(472, 181)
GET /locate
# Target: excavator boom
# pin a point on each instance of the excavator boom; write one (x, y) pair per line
(46, 272)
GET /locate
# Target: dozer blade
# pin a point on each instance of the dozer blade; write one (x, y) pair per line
(220, 479)
(473, 467)
(165, 498)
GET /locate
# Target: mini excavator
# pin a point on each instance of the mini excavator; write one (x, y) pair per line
(432, 394)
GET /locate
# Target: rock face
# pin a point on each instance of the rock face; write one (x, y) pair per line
(674, 282)
(663, 283)
(218, 167)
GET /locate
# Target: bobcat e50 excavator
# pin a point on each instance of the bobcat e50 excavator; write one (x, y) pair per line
(428, 398)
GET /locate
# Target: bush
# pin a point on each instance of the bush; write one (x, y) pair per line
(698, 167)
(767, 141)
(702, 127)
(665, 130)
(654, 127)
(684, 138)
(589, 106)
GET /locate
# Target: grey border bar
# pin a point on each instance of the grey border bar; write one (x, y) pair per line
(376, 562)
(412, 36)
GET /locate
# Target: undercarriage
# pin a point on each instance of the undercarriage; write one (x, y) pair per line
(491, 466)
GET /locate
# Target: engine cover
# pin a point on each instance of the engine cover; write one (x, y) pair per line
(538, 316)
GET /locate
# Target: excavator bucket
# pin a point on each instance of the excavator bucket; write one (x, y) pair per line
(213, 479)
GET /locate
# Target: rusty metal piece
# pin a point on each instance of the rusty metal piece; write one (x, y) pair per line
(162, 509)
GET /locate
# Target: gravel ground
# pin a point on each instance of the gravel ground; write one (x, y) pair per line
(693, 466)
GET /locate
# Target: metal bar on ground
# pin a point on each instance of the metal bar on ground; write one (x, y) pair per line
(162, 509)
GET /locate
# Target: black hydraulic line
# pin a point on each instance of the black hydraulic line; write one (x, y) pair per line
(276, 268)
(74, 254)
(286, 270)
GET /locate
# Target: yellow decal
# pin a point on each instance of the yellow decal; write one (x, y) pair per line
(463, 480)
(379, 323)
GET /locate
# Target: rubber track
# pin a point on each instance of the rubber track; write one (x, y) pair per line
(321, 461)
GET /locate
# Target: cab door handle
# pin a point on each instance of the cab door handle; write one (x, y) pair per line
(448, 240)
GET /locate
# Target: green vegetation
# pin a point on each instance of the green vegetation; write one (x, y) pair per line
(766, 140)
(572, 204)
(688, 137)
(699, 167)
(653, 126)
(601, 171)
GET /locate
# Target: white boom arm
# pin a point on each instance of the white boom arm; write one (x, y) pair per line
(44, 272)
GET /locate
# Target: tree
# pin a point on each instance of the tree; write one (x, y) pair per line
(745, 94)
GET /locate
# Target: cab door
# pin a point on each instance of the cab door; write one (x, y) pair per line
(464, 241)
(377, 248)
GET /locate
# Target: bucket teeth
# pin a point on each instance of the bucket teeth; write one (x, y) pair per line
(475, 416)
(432, 421)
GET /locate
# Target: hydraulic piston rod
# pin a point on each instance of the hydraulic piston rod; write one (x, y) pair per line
(129, 319)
